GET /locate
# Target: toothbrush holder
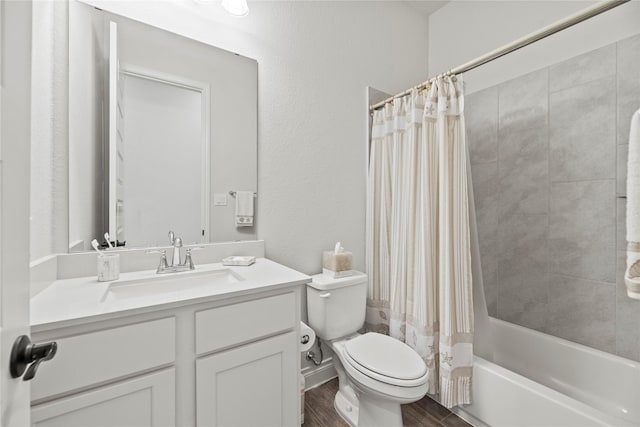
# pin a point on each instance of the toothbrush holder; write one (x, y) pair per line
(108, 267)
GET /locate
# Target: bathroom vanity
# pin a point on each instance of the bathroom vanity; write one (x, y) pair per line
(224, 353)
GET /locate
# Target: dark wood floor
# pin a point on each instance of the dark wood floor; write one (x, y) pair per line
(319, 411)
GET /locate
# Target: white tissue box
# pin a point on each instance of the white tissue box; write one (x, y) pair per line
(239, 260)
(337, 262)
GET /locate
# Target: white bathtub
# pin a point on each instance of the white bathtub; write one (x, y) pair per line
(539, 380)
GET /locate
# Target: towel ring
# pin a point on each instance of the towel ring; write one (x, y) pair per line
(233, 194)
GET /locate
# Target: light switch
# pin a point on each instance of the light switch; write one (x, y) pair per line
(220, 199)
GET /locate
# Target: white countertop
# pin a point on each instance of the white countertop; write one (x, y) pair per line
(75, 301)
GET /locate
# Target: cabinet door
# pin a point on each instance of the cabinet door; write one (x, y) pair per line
(252, 385)
(148, 400)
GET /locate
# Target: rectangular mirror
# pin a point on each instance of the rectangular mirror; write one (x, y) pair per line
(162, 129)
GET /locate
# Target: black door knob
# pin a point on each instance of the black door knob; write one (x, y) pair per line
(26, 355)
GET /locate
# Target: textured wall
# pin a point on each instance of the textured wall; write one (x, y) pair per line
(88, 81)
(49, 148)
(548, 153)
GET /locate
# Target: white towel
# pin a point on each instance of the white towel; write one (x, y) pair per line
(632, 274)
(244, 208)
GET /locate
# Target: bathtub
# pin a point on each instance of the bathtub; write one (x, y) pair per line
(539, 380)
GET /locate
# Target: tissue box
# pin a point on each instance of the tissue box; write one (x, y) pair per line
(337, 264)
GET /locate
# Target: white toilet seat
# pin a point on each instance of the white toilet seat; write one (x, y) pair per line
(386, 359)
(403, 391)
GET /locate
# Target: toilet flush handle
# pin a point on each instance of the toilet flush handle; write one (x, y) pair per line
(325, 295)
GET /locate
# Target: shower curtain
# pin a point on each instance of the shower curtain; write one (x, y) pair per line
(418, 241)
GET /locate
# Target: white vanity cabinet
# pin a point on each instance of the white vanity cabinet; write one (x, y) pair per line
(227, 361)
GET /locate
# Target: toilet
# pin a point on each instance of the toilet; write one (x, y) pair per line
(376, 373)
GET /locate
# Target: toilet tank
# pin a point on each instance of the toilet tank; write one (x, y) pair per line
(336, 307)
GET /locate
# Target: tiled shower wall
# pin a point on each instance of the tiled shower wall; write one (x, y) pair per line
(548, 159)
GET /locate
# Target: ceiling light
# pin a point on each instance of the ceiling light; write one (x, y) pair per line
(236, 7)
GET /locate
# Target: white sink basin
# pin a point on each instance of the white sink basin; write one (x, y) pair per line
(169, 283)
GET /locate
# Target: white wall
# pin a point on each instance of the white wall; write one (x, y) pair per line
(315, 61)
(49, 150)
(463, 30)
(88, 80)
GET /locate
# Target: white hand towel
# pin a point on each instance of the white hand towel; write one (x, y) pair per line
(632, 274)
(244, 208)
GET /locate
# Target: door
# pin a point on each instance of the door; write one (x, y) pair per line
(15, 146)
(165, 117)
(252, 385)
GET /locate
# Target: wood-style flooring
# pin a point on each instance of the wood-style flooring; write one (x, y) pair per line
(319, 410)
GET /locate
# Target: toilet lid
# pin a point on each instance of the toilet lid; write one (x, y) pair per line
(385, 356)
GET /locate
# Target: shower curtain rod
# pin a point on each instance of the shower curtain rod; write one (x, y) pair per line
(558, 26)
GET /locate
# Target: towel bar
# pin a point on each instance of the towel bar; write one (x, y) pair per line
(233, 193)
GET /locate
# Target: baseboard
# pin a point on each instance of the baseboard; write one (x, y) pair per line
(460, 412)
(318, 375)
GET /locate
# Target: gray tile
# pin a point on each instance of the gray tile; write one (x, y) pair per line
(485, 184)
(582, 236)
(523, 148)
(621, 224)
(627, 315)
(583, 311)
(622, 155)
(484, 177)
(523, 174)
(628, 346)
(481, 121)
(485, 187)
(491, 290)
(522, 102)
(628, 84)
(585, 68)
(582, 132)
(523, 267)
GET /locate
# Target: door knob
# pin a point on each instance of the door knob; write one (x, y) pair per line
(26, 355)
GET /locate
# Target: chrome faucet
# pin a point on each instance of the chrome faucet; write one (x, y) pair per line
(177, 244)
(176, 265)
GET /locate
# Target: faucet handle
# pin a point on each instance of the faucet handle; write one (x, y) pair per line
(163, 265)
(155, 251)
(188, 261)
